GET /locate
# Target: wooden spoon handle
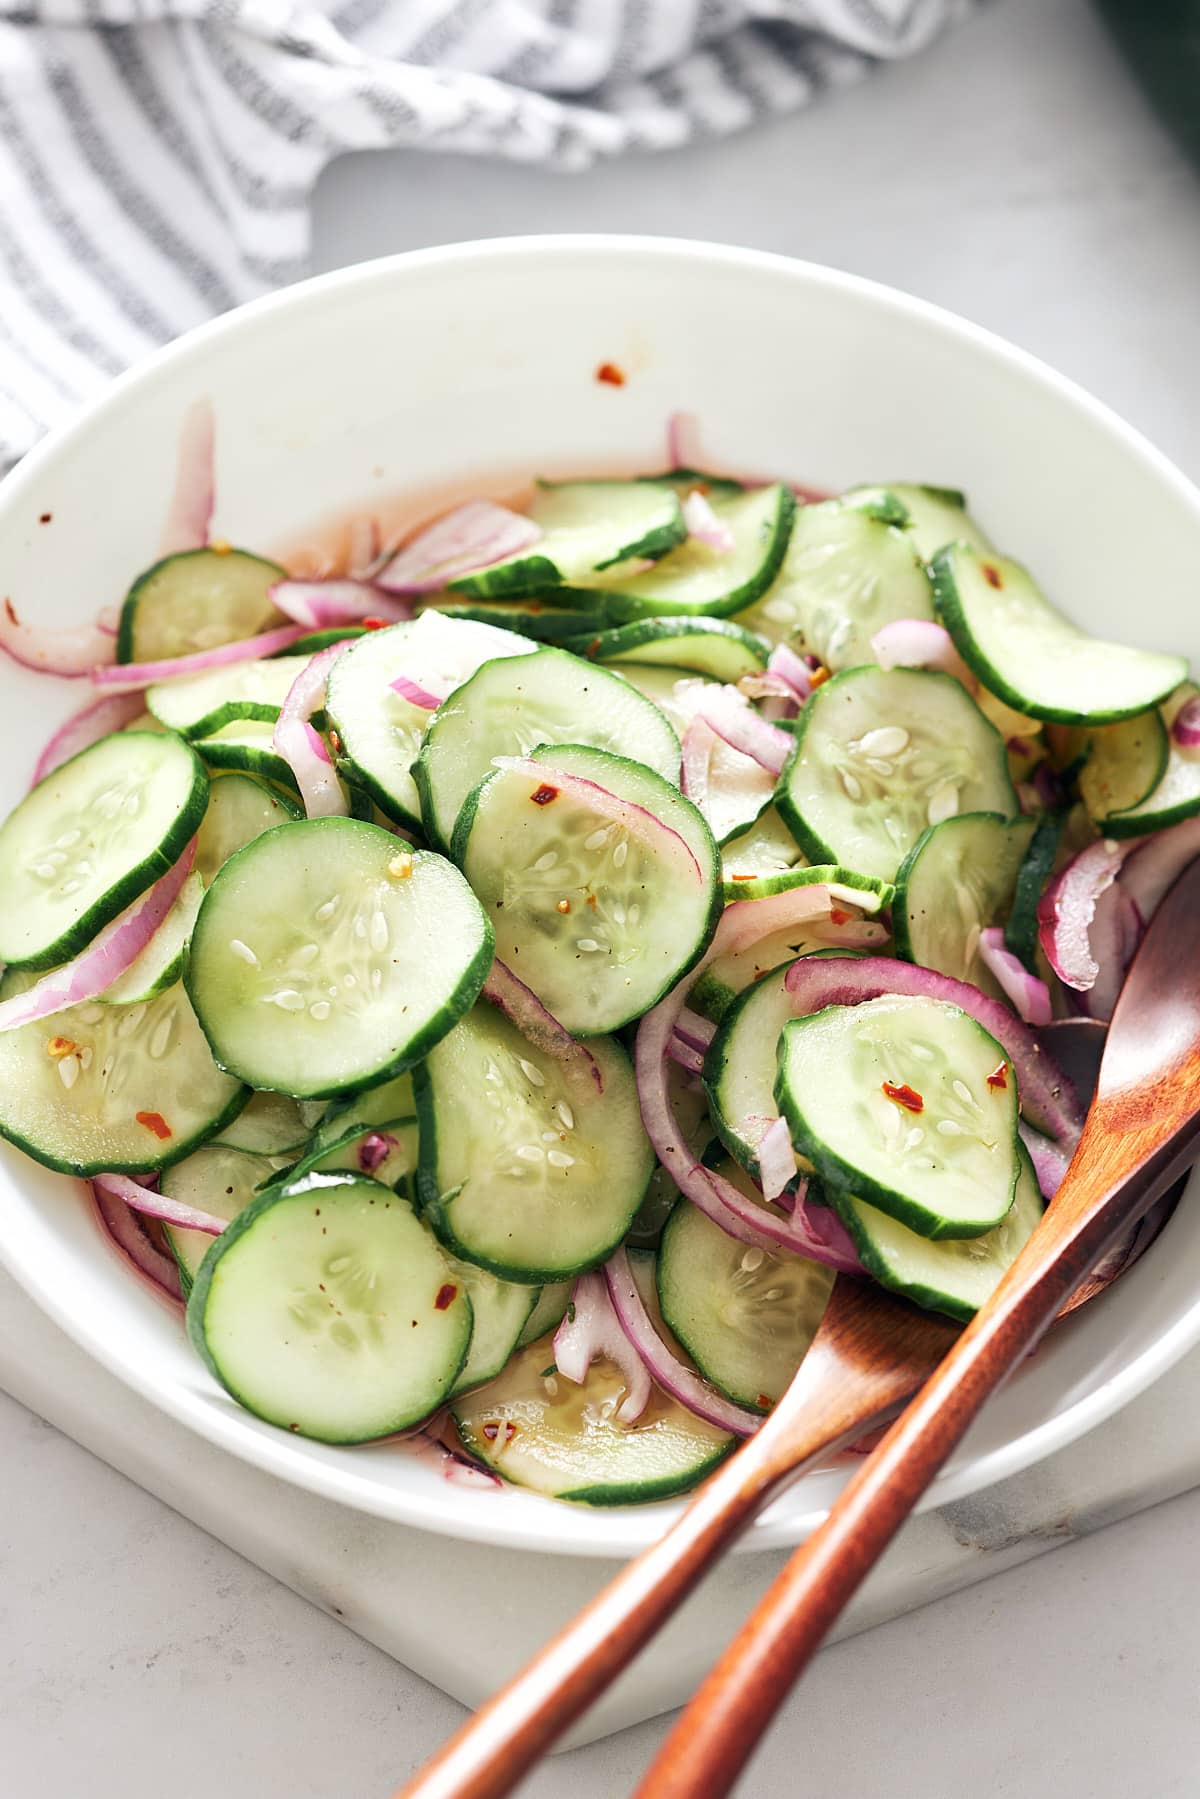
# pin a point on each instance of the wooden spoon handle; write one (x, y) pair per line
(717, 1733)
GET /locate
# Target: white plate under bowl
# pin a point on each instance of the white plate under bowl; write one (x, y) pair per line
(413, 372)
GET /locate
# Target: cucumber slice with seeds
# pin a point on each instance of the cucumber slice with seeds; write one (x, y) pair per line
(269, 1124)
(880, 755)
(373, 958)
(696, 579)
(526, 1168)
(240, 808)
(327, 1308)
(586, 526)
(90, 838)
(125, 1089)
(1031, 656)
(947, 1276)
(597, 917)
(197, 600)
(199, 705)
(745, 1316)
(214, 1179)
(380, 732)
(958, 879)
(765, 848)
(908, 1103)
(344, 1155)
(1176, 794)
(845, 575)
(741, 1065)
(704, 646)
(1125, 762)
(936, 516)
(510, 707)
(160, 964)
(246, 745)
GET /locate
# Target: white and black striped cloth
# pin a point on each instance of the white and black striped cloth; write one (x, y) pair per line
(157, 156)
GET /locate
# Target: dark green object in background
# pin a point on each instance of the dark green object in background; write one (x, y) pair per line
(1161, 40)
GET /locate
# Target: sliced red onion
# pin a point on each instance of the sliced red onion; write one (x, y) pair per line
(301, 748)
(1048, 786)
(641, 825)
(157, 1205)
(1156, 863)
(734, 720)
(698, 741)
(1047, 1096)
(673, 1376)
(84, 728)
(1030, 996)
(685, 1056)
(850, 933)
(318, 605)
(771, 687)
(591, 1329)
(106, 957)
(522, 1006)
(792, 670)
(776, 1159)
(915, 643)
(694, 1030)
(374, 1150)
(1116, 931)
(1068, 906)
(1050, 1160)
(682, 443)
(1185, 726)
(72, 652)
(746, 922)
(471, 537)
(704, 525)
(362, 547)
(130, 1235)
(455, 1468)
(190, 512)
(415, 694)
(135, 675)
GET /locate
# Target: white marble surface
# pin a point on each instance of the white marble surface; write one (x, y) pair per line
(1015, 175)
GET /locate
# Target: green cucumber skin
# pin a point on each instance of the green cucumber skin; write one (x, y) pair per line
(949, 609)
(237, 1228)
(931, 1299)
(549, 623)
(163, 1156)
(650, 1490)
(246, 759)
(128, 620)
(1021, 931)
(360, 780)
(628, 609)
(319, 640)
(900, 927)
(229, 712)
(614, 643)
(534, 574)
(139, 879)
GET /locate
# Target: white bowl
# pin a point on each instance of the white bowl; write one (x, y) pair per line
(416, 372)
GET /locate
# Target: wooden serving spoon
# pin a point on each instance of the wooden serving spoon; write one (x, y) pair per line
(871, 1354)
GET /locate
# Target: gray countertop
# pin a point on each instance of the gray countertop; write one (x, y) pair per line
(1014, 174)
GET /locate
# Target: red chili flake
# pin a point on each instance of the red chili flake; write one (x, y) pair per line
(491, 1430)
(999, 1075)
(837, 916)
(590, 652)
(154, 1121)
(45, 518)
(745, 877)
(591, 901)
(11, 610)
(220, 546)
(904, 1096)
(991, 574)
(563, 906)
(446, 1297)
(765, 1401)
(335, 743)
(544, 795)
(609, 373)
(818, 677)
(373, 623)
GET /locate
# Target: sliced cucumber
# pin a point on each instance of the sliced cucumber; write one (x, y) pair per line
(685, 481)
(90, 838)
(327, 1308)
(1176, 795)
(953, 1277)
(598, 916)
(269, 1124)
(160, 964)
(379, 731)
(510, 707)
(745, 1316)
(549, 1310)
(704, 646)
(958, 879)
(675, 691)
(1031, 656)
(312, 641)
(199, 705)
(696, 579)
(1125, 762)
(536, 618)
(1021, 931)
(586, 526)
(371, 959)
(936, 516)
(214, 1179)
(689, 1106)
(845, 575)
(389, 1101)
(542, 1431)
(881, 754)
(240, 808)
(195, 601)
(526, 1169)
(910, 1104)
(741, 1065)
(248, 745)
(501, 1311)
(122, 1088)
(765, 848)
(345, 1154)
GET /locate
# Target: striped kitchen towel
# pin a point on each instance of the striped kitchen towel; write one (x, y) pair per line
(157, 157)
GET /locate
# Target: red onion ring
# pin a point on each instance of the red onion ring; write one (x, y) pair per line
(130, 1236)
(84, 728)
(471, 537)
(415, 694)
(703, 524)
(318, 605)
(776, 1160)
(130, 675)
(673, 1376)
(1068, 906)
(734, 720)
(301, 748)
(523, 1008)
(72, 652)
(157, 1205)
(591, 1329)
(190, 512)
(792, 670)
(1030, 996)
(1185, 726)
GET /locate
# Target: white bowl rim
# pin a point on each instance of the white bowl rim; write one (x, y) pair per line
(276, 1454)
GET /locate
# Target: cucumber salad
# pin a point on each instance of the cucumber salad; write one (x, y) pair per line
(497, 987)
